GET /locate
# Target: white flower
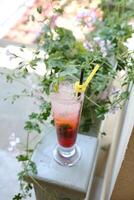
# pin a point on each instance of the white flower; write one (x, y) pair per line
(13, 142)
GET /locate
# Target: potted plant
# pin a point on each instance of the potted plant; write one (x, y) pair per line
(63, 55)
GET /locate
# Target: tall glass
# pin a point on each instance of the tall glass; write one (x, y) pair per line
(66, 108)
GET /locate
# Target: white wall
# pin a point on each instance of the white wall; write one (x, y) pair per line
(126, 131)
(121, 134)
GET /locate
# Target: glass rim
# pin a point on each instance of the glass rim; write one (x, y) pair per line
(61, 99)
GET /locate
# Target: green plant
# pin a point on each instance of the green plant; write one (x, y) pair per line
(63, 56)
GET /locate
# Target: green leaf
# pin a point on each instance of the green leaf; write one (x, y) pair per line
(22, 158)
(32, 167)
(9, 78)
(24, 72)
(39, 9)
(69, 70)
(31, 126)
(45, 106)
(33, 115)
(101, 111)
(59, 11)
(33, 63)
(33, 18)
(124, 95)
(18, 197)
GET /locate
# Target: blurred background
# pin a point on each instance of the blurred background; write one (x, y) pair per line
(18, 28)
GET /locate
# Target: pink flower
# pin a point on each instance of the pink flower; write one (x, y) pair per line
(88, 17)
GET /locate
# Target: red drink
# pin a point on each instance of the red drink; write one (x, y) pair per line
(66, 131)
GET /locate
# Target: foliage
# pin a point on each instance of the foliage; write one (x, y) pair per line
(64, 56)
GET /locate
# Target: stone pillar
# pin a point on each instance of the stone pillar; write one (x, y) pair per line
(56, 182)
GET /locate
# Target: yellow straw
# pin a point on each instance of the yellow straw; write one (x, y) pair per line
(81, 88)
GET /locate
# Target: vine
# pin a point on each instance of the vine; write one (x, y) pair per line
(64, 55)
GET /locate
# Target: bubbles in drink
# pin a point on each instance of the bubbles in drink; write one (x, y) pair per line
(66, 90)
